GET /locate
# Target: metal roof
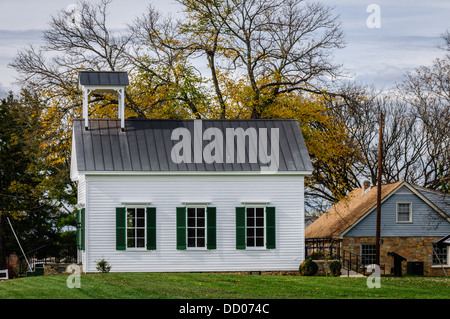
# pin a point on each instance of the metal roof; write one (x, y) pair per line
(103, 78)
(146, 145)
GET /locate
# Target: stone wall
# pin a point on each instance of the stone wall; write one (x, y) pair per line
(412, 248)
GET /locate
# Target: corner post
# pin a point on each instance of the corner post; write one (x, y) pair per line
(85, 107)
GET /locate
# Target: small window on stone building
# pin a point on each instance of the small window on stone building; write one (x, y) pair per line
(368, 253)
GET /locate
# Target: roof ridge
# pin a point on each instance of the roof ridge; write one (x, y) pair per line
(429, 190)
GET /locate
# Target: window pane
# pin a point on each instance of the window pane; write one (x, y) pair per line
(191, 242)
(260, 212)
(250, 242)
(191, 222)
(140, 212)
(191, 212)
(191, 232)
(141, 242)
(259, 221)
(130, 212)
(259, 242)
(130, 242)
(250, 221)
(130, 233)
(140, 222)
(250, 212)
(260, 232)
(130, 222)
(201, 222)
(140, 233)
(250, 232)
(201, 212)
(404, 208)
(200, 232)
(201, 242)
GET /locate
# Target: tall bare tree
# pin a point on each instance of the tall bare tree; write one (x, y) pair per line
(276, 46)
(427, 90)
(69, 46)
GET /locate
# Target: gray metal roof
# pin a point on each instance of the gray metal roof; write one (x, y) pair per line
(146, 145)
(103, 78)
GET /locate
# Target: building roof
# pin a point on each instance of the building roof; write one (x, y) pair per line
(348, 211)
(116, 78)
(444, 241)
(440, 199)
(146, 145)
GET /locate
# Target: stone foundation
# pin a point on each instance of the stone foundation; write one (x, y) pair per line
(412, 248)
(58, 269)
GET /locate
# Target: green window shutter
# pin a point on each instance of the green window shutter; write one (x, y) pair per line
(270, 228)
(240, 228)
(83, 229)
(78, 223)
(151, 228)
(211, 227)
(181, 227)
(121, 228)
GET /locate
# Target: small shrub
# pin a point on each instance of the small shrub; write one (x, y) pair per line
(317, 255)
(335, 268)
(308, 268)
(103, 266)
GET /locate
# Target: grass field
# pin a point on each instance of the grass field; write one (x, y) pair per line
(221, 286)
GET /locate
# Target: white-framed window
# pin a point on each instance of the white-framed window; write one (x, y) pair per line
(404, 212)
(196, 227)
(135, 227)
(255, 227)
(441, 255)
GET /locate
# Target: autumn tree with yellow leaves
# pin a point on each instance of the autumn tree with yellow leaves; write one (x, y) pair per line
(263, 59)
(228, 59)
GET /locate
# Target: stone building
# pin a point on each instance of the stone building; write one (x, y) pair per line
(414, 220)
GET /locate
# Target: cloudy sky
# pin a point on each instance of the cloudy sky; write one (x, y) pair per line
(408, 36)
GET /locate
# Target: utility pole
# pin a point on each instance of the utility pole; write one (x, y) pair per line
(380, 155)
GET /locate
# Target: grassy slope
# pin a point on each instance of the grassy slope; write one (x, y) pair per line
(218, 286)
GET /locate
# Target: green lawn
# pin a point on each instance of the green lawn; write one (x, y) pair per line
(221, 286)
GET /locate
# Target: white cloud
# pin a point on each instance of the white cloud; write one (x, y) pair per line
(408, 37)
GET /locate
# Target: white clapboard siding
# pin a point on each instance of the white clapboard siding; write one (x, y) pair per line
(105, 193)
(81, 190)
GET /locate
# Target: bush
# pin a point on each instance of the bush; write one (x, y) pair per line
(103, 266)
(308, 268)
(335, 268)
(317, 255)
